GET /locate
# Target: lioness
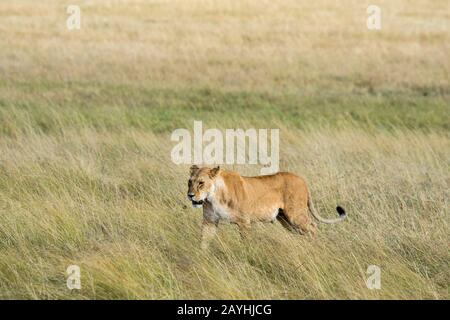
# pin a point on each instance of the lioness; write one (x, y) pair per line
(226, 195)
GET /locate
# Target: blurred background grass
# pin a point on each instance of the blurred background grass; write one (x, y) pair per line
(85, 124)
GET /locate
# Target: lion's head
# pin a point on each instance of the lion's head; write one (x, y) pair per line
(201, 184)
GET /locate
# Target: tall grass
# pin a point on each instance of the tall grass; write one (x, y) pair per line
(85, 123)
(114, 204)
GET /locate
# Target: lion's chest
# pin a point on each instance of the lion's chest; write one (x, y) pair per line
(215, 211)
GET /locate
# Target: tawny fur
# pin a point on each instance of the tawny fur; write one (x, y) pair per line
(226, 195)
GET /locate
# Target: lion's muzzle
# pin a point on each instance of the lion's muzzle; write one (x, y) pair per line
(195, 203)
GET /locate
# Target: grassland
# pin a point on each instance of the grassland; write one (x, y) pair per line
(85, 123)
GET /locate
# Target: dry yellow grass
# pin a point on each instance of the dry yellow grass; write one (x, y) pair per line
(85, 123)
(249, 44)
(114, 204)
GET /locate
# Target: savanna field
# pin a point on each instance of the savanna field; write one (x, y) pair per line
(86, 176)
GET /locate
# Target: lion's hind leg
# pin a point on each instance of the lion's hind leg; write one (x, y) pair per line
(284, 221)
(298, 219)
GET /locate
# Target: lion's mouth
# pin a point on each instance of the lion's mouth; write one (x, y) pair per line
(197, 203)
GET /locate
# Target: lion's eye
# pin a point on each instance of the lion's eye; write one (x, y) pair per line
(200, 184)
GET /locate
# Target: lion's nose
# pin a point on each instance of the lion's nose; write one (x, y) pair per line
(190, 195)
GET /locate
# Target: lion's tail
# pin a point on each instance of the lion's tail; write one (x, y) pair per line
(340, 211)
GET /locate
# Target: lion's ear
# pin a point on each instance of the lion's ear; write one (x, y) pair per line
(193, 169)
(214, 171)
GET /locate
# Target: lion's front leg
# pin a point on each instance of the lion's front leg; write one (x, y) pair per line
(244, 227)
(209, 230)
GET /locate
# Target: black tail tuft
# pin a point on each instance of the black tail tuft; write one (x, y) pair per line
(341, 211)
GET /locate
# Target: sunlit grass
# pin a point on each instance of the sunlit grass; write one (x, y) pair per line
(86, 176)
